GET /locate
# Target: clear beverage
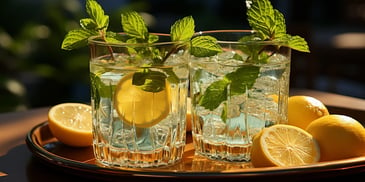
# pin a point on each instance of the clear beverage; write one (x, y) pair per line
(120, 143)
(225, 132)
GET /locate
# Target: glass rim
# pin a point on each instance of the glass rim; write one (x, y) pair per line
(93, 40)
(261, 42)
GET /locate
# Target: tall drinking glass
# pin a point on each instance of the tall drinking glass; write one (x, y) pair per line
(138, 98)
(237, 93)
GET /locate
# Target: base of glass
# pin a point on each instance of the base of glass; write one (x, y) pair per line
(222, 151)
(117, 158)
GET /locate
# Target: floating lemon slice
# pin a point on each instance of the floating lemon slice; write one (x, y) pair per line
(71, 123)
(284, 145)
(140, 108)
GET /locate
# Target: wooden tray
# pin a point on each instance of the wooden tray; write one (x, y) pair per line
(81, 161)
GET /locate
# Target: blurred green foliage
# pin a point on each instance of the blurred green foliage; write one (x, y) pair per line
(34, 70)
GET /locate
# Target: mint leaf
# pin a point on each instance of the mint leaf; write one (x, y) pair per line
(152, 38)
(90, 27)
(239, 81)
(269, 23)
(99, 87)
(243, 78)
(88, 24)
(250, 48)
(134, 25)
(280, 26)
(261, 18)
(224, 113)
(214, 94)
(112, 37)
(149, 81)
(182, 29)
(296, 42)
(96, 12)
(76, 39)
(171, 76)
(202, 46)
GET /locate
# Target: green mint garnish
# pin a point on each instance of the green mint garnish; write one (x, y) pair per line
(99, 88)
(183, 30)
(77, 39)
(134, 26)
(239, 81)
(203, 46)
(153, 81)
(97, 24)
(269, 23)
(136, 30)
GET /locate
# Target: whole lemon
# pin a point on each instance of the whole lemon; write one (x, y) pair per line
(338, 137)
(302, 110)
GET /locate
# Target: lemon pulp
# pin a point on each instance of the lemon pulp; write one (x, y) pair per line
(284, 145)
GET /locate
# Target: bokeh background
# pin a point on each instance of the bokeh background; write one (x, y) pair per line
(35, 72)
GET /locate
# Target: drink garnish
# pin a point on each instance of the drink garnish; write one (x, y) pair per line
(137, 32)
(269, 25)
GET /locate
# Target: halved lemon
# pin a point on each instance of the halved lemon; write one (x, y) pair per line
(138, 107)
(284, 145)
(71, 123)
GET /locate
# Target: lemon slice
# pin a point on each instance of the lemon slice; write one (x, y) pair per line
(284, 145)
(140, 108)
(71, 123)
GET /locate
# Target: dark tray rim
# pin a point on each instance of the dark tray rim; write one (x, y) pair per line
(314, 171)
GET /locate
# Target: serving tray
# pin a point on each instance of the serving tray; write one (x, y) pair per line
(81, 161)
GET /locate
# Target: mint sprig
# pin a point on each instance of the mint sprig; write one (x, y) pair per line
(136, 31)
(134, 26)
(96, 24)
(269, 23)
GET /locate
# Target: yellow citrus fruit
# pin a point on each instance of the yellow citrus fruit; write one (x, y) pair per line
(71, 123)
(338, 136)
(302, 110)
(284, 145)
(188, 115)
(138, 107)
